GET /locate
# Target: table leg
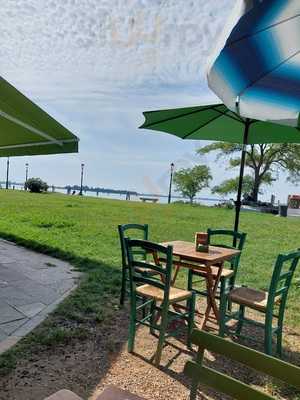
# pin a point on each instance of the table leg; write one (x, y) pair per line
(211, 287)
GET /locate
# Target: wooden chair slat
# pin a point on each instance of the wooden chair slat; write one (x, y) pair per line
(252, 358)
(223, 383)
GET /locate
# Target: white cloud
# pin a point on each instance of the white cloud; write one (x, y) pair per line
(121, 42)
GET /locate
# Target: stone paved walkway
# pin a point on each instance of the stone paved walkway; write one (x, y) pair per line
(31, 286)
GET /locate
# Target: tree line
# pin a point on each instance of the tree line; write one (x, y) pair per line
(264, 163)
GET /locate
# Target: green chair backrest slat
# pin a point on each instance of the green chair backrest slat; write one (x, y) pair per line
(281, 291)
(282, 278)
(259, 361)
(133, 230)
(238, 237)
(165, 271)
(223, 383)
(217, 237)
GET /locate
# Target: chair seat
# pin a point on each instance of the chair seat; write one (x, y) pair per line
(226, 273)
(114, 393)
(158, 294)
(64, 395)
(256, 299)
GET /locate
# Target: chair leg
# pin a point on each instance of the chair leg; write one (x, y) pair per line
(268, 338)
(194, 389)
(161, 339)
(279, 342)
(132, 325)
(190, 280)
(144, 309)
(123, 287)
(191, 319)
(152, 318)
(223, 308)
(240, 319)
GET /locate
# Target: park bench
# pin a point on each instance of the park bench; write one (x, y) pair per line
(150, 199)
(110, 393)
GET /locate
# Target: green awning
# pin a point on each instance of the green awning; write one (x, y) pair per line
(25, 129)
(216, 122)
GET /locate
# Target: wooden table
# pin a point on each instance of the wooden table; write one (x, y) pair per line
(188, 257)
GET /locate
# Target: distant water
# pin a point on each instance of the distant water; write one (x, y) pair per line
(161, 199)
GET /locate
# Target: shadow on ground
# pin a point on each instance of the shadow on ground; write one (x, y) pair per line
(136, 372)
(76, 345)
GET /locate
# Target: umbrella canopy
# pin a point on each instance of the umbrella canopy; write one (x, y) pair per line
(25, 129)
(216, 122)
(255, 69)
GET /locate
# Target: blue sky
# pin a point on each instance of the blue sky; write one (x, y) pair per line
(95, 65)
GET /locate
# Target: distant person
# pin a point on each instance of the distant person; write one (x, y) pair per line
(74, 192)
(68, 190)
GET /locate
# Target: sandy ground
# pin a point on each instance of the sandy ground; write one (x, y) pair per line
(86, 366)
(135, 372)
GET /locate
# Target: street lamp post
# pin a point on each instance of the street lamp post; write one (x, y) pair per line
(7, 173)
(26, 175)
(81, 179)
(171, 179)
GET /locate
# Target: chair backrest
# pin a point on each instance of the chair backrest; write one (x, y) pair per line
(283, 272)
(230, 239)
(137, 231)
(135, 265)
(226, 384)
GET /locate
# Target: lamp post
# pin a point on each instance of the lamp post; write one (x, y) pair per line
(81, 179)
(171, 179)
(7, 173)
(26, 175)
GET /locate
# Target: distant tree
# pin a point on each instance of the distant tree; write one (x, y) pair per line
(189, 181)
(230, 186)
(36, 185)
(265, 160)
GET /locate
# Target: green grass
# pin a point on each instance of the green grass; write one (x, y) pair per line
(84, 231)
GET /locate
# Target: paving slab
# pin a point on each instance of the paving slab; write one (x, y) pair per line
(10, 327)
(9, 313)
(30, 310)
(31, 286)
(15, 296)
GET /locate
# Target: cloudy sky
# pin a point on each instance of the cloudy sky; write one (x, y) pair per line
(95, 65)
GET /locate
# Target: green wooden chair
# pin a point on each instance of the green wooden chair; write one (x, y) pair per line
(159, 293)
(135, 231)
(225, 384)
(224, 238)
(272, 303)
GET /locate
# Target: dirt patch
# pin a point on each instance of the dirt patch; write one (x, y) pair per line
(78, 365)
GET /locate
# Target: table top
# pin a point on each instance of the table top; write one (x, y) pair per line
(187, 251)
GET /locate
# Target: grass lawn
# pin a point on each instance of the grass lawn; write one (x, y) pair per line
(84, 231)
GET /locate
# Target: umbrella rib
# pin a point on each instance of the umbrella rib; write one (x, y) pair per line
(29, 127)
(201, 126)
(15, 146)
(177, 116)
(213, 119)
(262, 30)
(230, 116)
(266, 73)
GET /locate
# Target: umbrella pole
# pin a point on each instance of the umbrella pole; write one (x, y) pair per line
(242, 167)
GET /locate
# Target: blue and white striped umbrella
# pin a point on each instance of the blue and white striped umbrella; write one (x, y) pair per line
(255, 69)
